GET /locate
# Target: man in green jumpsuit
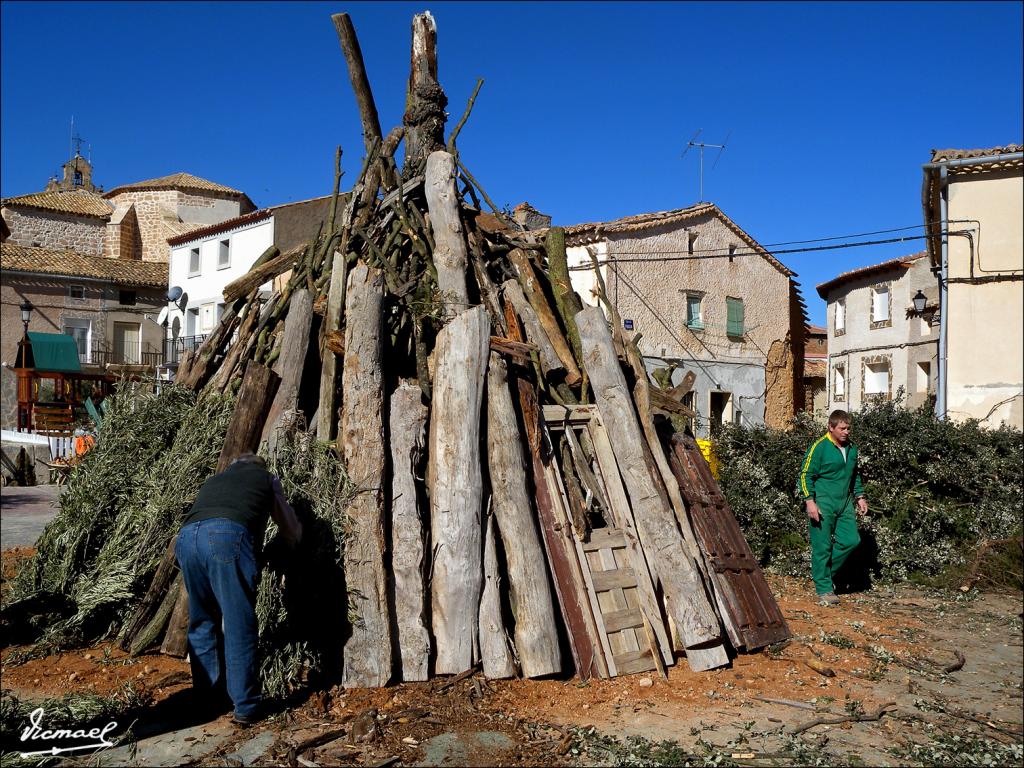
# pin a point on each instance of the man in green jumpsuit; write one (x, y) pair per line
(830, 485)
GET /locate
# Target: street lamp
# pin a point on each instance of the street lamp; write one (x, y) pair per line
(26, 313)
(920, 300)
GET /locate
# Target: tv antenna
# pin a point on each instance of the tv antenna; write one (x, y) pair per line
(701, 145)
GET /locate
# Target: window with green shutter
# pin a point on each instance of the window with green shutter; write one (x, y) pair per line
(694, 319)
(734, 321)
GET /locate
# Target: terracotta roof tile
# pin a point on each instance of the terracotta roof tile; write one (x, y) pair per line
(78, 202)
(941, 155)
(903, 262)
(175, 181)
(21, 258)
(579, 234)
(815, 368)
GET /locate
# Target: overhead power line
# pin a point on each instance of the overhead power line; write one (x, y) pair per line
(694, 256)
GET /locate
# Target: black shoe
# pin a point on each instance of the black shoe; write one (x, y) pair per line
(244, 721)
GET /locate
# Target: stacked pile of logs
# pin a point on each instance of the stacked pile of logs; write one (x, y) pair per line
(421, 332)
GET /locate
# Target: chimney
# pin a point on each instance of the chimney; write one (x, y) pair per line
(528, 217)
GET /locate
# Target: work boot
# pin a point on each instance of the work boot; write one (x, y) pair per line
(829, 598)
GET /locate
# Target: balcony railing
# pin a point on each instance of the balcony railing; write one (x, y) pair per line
(124, 354)
(176, 348)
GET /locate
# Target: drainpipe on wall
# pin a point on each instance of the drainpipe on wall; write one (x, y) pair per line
(943, 168)
(940, 385)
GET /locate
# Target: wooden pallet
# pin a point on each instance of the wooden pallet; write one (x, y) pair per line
(626, 618)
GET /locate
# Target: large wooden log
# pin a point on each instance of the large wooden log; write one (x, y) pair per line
(566, 300)
(357, 74)
(425, 100)
(685, 599)
(407, 438)
(450, 249)
(259, 385)
(550, 362)
(291, 362)
(536, 633)
(454, 479)
(495, 656)
(534, 292)
(258, 275)
(152, 601)
(325, 412)
(367, 661)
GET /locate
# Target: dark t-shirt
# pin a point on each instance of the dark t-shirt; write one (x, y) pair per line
(243, 493)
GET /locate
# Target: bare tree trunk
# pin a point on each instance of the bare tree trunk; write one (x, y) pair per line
(368, 650)
(549, 360)
(408, 538)
(535, 295)
(655, 521)
(450, 250)
(291, 362)
(536, 630)
(357, 74)
(425, 101)
(494, 651)
(325, 413)
(456, 488)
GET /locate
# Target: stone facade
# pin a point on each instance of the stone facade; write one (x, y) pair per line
(55, 230)
(157, 211)
(55, 303)
(755, 373)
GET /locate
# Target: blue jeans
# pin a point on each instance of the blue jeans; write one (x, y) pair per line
(219, 568)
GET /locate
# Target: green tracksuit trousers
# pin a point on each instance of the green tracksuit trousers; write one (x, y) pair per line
(833, 538)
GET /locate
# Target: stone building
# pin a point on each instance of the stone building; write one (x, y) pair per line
(816, 370)
(877, 343)
(94, 264)
(702, 295)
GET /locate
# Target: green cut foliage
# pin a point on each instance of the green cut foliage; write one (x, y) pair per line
(936, 490)
(301, 603)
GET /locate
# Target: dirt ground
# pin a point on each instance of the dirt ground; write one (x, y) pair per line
(889, 654)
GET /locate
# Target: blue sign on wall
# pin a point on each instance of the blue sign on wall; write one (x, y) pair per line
(627, 324)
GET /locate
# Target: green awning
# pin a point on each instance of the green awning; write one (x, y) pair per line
(54, 352)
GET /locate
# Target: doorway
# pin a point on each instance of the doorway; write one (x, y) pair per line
(127, 343)
(721, 408)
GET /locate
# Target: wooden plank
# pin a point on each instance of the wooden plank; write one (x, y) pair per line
(290, 363)
(595, 623)
(450, 250)
(604, 538)
(623, 619)
(557, 415)
(635, 661)
(620, 577)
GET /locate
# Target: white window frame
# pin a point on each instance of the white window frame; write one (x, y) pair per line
(198, 254)
(871, 381)
(80, 323)
(924, 371)
(880, 300)
(839, 319)
(224, 253)
(839, 381)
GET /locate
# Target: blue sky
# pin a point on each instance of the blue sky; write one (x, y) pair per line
(586, 107)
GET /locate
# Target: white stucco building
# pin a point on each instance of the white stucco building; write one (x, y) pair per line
(204, 261)
(974, 210)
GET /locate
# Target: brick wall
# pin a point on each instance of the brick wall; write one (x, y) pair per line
(59, 231)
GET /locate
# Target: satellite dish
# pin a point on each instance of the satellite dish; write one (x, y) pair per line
(162, 317)
(175, 327)
(174, 293)
(182, 301)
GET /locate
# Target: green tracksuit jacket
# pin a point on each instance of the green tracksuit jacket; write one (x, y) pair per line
(833, 482)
